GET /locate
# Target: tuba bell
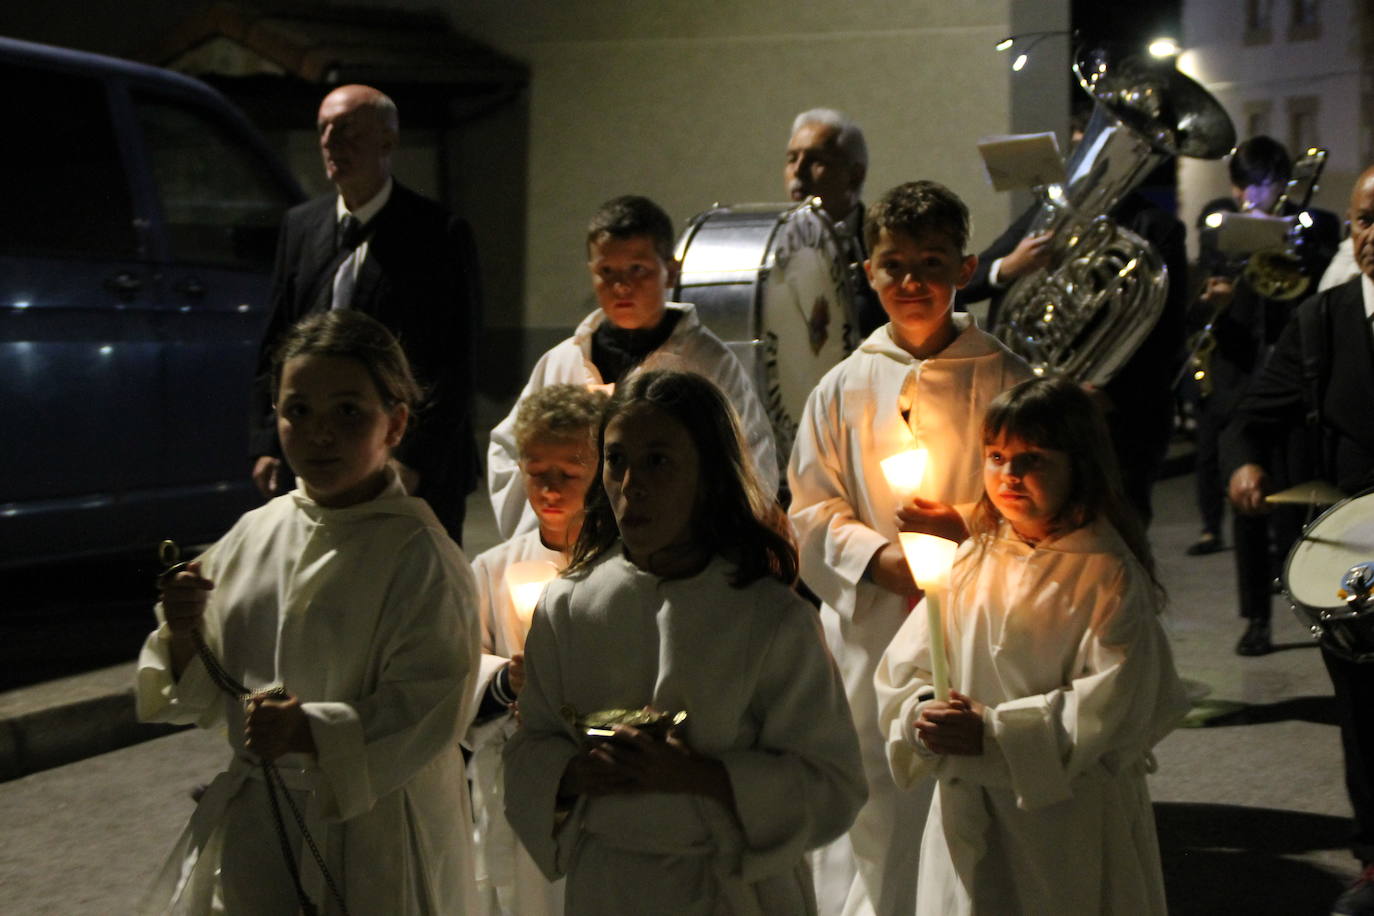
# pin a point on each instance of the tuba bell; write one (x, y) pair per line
(1085, 314)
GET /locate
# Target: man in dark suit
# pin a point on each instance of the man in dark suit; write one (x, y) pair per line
(1312, 407)
(382, 249)
(827, 157)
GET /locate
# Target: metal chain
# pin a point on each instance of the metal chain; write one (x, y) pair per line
(168, 552)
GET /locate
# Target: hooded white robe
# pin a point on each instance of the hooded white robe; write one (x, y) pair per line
(844, 512)
(691, 347)
(508, 881)
(1063, 644)
(761, 695)
(367, 614)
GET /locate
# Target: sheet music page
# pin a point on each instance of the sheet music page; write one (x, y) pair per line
(1017, 162)
(1243, 233)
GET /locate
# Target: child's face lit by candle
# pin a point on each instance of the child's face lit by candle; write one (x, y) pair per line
(915, 279)
(1028, 484)
(557, 474)
(336, 432)
(650, 475)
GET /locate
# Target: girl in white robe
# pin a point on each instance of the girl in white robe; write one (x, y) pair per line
(677, 602)
(348, 594)
(1062, 681)
(555, 430)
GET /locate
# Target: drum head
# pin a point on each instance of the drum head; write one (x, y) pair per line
(772, 281)
(804, 315)
(1336, 541)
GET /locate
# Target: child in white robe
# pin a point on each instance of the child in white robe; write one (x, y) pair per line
(678, 601)
(630, 256)
(920, 381)
(349, 595)
(555, 431)
(1062, 680)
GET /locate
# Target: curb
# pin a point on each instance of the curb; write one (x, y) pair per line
(65, 734)
(59, 722)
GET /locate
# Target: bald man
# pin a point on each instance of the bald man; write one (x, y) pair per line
(827, 157)
(1322, 422)
(378, 247)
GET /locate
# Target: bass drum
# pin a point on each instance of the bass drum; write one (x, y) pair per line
(773, 282)
(1341, 537)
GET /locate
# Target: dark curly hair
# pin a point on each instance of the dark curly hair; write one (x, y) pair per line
(916, 208)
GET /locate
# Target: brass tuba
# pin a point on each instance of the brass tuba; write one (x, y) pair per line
(1086, 314)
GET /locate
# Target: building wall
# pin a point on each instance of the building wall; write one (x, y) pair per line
(1285, 73)
(691, 104)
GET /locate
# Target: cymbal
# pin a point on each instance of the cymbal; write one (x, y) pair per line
(1313, 492)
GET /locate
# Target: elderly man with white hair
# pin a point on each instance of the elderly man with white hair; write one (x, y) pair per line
(828, 158)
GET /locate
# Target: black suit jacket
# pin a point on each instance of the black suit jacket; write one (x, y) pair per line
(420, 280)
(1269, 421)
(869, 314)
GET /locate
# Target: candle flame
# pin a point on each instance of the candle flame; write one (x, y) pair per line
(929, 558)
(904, 471)
(525, 581)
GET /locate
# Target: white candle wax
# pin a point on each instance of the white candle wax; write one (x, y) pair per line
(939, 665)
(930, 558)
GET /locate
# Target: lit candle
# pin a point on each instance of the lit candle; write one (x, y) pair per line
(930, 558)
(904, 471)
(525, 581)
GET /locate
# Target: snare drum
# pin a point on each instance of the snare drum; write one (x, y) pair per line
(1341, 537)
(773, 282)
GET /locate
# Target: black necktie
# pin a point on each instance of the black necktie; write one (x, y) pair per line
(349, 234)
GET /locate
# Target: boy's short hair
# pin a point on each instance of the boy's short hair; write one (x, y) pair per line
(917, 208)
(1259, 160)
(562, 412)
(632, 216)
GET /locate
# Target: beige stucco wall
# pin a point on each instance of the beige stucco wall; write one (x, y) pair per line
(690, 102)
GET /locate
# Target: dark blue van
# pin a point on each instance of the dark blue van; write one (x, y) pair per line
(137, 233)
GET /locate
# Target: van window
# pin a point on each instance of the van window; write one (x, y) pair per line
(219, 201)
(67, 192)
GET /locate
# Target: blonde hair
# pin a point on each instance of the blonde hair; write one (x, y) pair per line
(563, 412)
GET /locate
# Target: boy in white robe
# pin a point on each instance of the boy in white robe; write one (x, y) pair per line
(1062, 680)
(555, 429)
(630, 256)
(920, 381)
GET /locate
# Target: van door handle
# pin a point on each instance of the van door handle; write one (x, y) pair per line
(191, 287)
(124, 285)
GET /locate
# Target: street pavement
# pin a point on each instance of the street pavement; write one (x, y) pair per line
(1250, 800)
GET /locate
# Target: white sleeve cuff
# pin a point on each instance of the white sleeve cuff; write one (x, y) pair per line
(995, 274)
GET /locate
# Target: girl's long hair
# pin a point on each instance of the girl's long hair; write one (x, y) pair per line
(1056, 413)
(732, 514)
